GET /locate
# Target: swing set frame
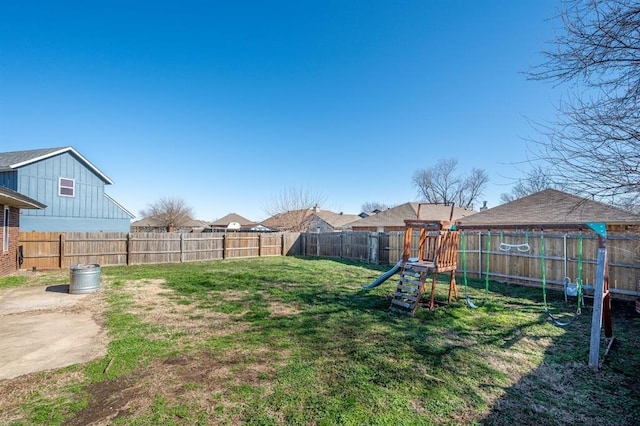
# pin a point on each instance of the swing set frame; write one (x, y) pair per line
(602, 296)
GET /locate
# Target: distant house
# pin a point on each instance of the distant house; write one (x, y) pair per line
(69, 185)
(393, 218)
(11, 203)
(149, 224)
(309, 220)
(552, 207)
(233, 221)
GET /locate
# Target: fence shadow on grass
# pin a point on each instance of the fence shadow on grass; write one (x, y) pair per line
(500, 364)
(563, 390)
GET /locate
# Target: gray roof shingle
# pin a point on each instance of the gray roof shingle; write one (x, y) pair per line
(15, 159)
(396, 216)
(10, 197)
(549, 207)
(233, 217)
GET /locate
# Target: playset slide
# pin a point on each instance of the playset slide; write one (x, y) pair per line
(382, 278)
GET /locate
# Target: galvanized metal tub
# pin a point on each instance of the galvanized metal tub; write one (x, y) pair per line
(85, 278)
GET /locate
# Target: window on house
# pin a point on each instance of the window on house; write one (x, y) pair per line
(66, 187)
(5, 229)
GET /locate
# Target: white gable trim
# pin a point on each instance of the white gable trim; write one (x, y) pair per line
(62, 151)
(119, 205)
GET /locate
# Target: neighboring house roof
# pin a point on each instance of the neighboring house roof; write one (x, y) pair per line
(12, 198)
(232, 217)
(284, 221)
(16, 159)
(396, 216)
(146, 222)
(336, 220)
(371, 213)
(150, 222)
(548, 207)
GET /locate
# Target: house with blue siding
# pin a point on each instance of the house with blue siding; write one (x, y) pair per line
(69, 185)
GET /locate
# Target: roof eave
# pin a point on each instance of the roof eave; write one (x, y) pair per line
(9, 197)
(97, 171)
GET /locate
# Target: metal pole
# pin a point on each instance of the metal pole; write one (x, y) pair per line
(480, 255)
(596, 320)
(566, 269)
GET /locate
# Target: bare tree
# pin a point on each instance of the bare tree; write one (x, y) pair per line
(594, 145)
(534, 181)
(291, 208)
(168, 212)
(374, 205)
(441, 184)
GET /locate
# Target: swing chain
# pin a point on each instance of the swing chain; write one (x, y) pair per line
(555, 320)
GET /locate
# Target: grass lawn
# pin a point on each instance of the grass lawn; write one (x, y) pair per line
(288, 340)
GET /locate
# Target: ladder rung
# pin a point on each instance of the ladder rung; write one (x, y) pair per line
(406, 296)
(403, 304)
(414, 290)
(408, 281)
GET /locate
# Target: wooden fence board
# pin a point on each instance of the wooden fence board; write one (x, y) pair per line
(241, 245)
(41, 250)
(202, 247)
(101, 248)
(355, 245)
(154, 247)
(271, 244)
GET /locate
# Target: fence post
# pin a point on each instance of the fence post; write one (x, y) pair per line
(181, 248)
(224, 246)
(598, 304)
(374, 244)
(128, 249)
(61, 250)
(303, 244)
(259, 245)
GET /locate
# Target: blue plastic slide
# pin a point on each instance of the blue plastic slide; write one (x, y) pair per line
(382, 278)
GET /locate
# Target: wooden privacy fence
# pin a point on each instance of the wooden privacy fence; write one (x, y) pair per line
(49, 250)
(45, 250)
(515, 265)
(357, 245)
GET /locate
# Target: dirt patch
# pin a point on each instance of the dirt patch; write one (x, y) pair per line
(201, 379)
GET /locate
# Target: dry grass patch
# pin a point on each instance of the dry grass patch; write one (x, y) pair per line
(278, 309)
(155, 304)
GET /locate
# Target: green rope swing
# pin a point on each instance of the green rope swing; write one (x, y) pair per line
(555, 320)
(464, 269)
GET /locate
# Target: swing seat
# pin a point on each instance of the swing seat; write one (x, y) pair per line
(570, 289)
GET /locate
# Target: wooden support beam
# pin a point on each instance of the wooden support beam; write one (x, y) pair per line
(598, 304)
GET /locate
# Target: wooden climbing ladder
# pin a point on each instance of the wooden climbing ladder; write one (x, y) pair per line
(437, 253)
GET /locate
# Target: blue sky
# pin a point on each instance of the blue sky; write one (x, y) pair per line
(224, 104)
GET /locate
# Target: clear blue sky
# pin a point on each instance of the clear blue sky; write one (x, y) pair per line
(224, 104)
